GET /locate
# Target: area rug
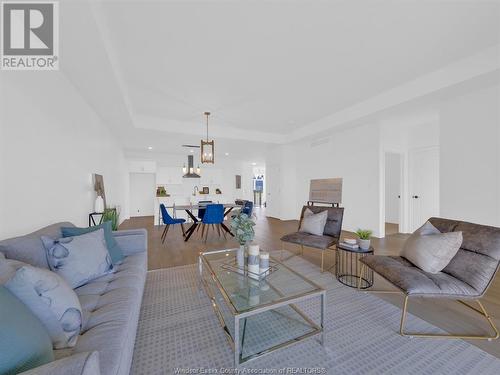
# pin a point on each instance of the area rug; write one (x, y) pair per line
(179, 333)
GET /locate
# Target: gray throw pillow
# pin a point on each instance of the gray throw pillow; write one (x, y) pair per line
(79, 259)
(313, 223)
(430, 250)
(51, 300)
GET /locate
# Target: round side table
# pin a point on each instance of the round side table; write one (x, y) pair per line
(348, 267)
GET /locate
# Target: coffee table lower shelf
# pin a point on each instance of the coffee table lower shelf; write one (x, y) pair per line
(266, 328)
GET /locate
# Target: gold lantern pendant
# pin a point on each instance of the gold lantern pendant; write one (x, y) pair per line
(207, 148)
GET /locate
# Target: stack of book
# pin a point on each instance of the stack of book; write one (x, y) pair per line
(349, 246)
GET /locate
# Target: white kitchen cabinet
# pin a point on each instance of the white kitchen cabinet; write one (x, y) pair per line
(211, 176)
(168, 176)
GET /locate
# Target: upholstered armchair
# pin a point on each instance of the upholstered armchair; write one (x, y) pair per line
(327, 241)
(467, 277)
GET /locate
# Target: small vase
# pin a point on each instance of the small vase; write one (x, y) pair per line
(240, 258)
(364, 244)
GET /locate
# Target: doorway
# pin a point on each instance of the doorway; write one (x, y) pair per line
(424, 185)
(393, 193)
(142, 194)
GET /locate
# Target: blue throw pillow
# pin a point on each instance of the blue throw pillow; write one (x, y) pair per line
(24, 342)
(114, 249)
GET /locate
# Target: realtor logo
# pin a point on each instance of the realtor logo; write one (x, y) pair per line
(30, 35)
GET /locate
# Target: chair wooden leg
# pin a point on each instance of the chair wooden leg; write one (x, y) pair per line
(202, 230)
(165, 236)
(224, 233)
(183, 230)
(206, 233)
(218, 229)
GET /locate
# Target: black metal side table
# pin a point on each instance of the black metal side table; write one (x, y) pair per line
(348, 267)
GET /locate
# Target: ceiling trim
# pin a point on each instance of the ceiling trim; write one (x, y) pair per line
(484, 62)
(195, 128)
(487, 61)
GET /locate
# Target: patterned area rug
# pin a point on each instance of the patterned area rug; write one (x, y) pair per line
(179, 333)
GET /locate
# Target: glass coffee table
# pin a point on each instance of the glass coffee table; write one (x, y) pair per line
(259, 315)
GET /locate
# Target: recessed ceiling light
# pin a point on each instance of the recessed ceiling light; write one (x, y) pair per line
(150, 147)
(254, 163)
(227, 154)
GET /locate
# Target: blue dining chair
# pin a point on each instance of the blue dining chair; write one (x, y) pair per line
(247, 208)
(214, 216)
(168, 221)
(201, 211)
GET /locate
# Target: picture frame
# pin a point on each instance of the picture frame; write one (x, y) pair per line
(205, 190)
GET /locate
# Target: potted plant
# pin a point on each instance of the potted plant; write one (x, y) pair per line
(364, 238)
(242, 226)
(111, 214)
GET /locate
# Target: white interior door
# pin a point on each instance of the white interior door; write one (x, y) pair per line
(424, 185)
(142, 194)
(273, 190)
(392, 188)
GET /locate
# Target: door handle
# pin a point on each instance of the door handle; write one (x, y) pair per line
(415, 197)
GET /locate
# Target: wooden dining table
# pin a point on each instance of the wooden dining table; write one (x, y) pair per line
(189, 208)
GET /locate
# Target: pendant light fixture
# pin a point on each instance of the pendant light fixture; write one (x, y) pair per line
(207, 147)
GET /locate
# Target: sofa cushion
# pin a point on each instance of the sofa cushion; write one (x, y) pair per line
(310, 240)
(431, 250)
(413, 281)
(79, 259)
(51, 300)
(24, 342)
(114, 249)
(111, 306)
(29, 248)
(78, 364)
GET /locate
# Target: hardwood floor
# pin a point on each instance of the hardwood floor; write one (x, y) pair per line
(449, 315)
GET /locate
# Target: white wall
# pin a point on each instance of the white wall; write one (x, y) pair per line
(470, 157)
(352, 154)
(51, 142)
(392, 187)
(142, 194)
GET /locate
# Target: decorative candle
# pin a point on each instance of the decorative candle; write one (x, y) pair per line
(264, 262)
(253, 249)
(253, 254)
(253, 270)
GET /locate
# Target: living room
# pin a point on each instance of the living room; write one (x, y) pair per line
(199, 179)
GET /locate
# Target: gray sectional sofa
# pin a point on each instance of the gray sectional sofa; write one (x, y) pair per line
(111, 305)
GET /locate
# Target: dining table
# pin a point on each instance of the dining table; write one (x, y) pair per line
(189, 208)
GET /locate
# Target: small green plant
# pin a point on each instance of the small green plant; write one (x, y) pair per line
(242, 226)
(110, 214)
(364, 234)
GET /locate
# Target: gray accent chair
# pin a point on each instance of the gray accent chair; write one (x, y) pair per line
(466, 277)
(331, 233)
(110, 304)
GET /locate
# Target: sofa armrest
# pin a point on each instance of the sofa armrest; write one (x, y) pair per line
(77, 364)
(132, 241)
